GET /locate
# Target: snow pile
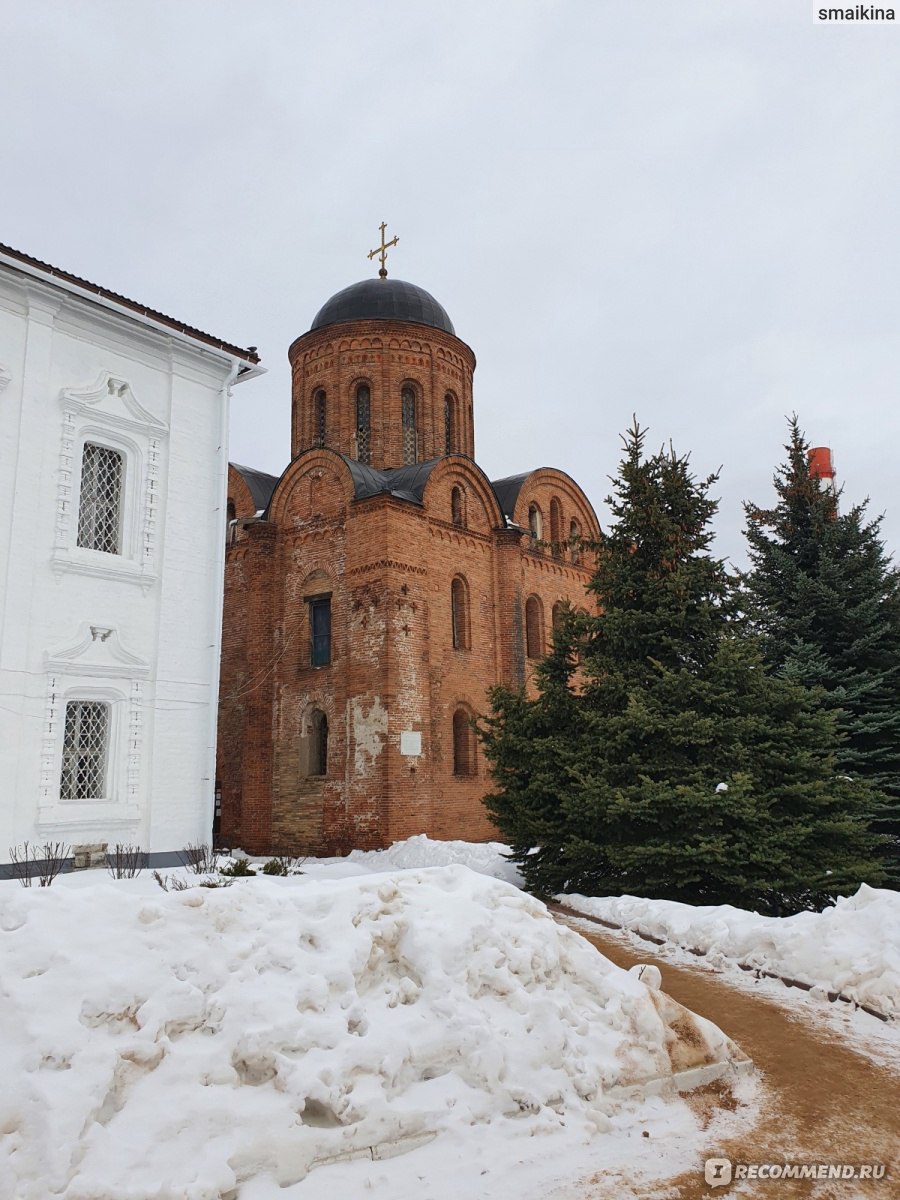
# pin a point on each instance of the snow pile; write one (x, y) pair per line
(852, 948)
(186, 1044)
(487, 858)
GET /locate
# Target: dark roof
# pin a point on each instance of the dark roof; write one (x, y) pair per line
(383, 300)
(405, 483)
(507, 491)
(140, 309)
(260, 484)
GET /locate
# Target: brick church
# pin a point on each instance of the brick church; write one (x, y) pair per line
(378, 588)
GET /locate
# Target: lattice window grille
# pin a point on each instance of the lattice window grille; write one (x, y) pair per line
(85, 750)
(64, 480)
(99, 513)
(363, 425)
(448, 425)
(408, 410)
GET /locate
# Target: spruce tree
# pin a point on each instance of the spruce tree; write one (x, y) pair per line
(826, 599)
(659, 757)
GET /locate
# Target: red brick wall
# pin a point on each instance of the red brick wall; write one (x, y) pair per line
(385, 355)
(388, 565)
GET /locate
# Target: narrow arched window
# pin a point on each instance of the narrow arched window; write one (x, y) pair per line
(556, 614)
(230, 519)
(363, 423)
(451, 433)
(575, 539)
(556, 528)
(457, 507)
(318, 743)
(319, 415)
(535, 523)
(459, 613)
(463, 744)
(408, 416)
(319, 630)
(534, 628)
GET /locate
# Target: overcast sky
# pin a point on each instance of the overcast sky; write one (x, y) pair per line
(688, 211)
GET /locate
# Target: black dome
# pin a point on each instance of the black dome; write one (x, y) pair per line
(383, 300)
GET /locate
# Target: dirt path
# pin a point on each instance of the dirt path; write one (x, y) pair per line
(822, 1101)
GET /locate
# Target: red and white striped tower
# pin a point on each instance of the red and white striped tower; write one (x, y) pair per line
(821, 467)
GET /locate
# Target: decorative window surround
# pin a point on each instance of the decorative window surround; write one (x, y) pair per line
(95, 666)
(110, 408)
(99, 653)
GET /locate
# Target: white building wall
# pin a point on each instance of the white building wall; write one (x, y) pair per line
(139, 630)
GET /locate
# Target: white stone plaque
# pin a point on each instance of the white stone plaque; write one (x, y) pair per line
(410, 743)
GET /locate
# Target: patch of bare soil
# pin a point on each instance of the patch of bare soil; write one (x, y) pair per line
(822, 1102)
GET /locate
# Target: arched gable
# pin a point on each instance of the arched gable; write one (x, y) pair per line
(542, 487)
(316, 484)
(239, 495)
(482, 510)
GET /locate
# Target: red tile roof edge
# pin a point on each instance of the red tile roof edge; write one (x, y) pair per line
(141, 309)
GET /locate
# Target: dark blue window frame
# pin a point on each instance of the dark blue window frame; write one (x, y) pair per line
(320, 631)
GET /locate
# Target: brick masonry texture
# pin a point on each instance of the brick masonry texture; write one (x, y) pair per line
(388, 565)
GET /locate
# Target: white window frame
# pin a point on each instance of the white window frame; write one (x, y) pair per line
(116, 701)
(108, 415)
(95, 666)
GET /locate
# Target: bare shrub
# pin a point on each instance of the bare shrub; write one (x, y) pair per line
(20, 857)
(200, 857)
(125, 861)
(53, 857)
(171, 883)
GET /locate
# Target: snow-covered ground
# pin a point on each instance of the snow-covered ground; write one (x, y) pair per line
(228, 1044)
(852, 947)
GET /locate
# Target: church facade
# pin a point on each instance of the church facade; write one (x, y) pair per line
(378, 588)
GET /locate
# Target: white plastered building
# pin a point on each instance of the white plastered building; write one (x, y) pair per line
(113, 461)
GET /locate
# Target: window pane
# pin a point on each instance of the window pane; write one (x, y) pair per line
(85, 748)
(320, 632)
(100, 499)
(363, 424)
(408, 412)
(318, 748)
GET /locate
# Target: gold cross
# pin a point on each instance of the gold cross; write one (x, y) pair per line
(382, 250)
